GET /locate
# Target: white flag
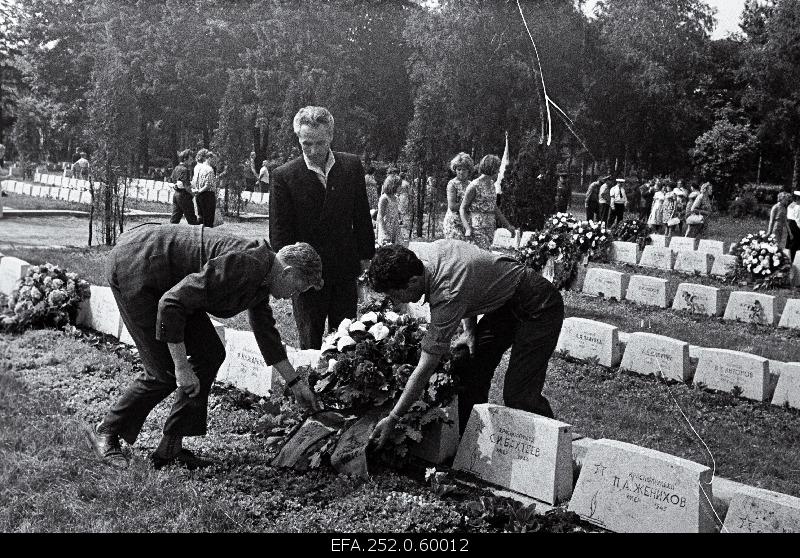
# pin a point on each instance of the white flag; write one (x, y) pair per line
(503, 164)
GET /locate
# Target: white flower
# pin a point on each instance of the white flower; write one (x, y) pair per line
(552, 245)
(328, 347)
(344, 327)
(357, 326)
(345, 342)
(589, 235)
(391, 317)
(757, 269)
(767, 272)
(773, 248)
(379, 332)
(369, 317)
(331, 364)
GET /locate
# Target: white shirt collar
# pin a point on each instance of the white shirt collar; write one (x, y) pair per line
(320, 172)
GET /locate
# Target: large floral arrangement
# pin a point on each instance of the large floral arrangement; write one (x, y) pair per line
(592, 238)
(47, 296)
(760, 256)
(632, 230)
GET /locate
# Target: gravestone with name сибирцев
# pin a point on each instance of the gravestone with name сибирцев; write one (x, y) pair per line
(762, 511)
(658, 258)
(698, 299)
(624, 252)
(723, 369)
(517, 450)
(588, 339)
(648, 353)
(647, 290)
(751, 308)
(630, 489)
(605, 282)
(692, 261)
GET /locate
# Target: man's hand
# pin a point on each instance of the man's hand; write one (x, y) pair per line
(305, 397)
(187, 380)
(380, 435)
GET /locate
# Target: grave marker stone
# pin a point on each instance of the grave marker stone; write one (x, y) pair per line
(648, 353)
(790, 317)
(152, 195)
(659, 258)
(698, 299)
(691, 261)
(100, 312)
(504, 239)
(724, 266)
(164, 196)
(11, 270)
(763, 511)
(723, 369)
(624, 252)
(587, 339)
(659, 240)
(605, 282)
(750, 307)
(86, 198)
(75, 195)
(651, 291)
(630, 489)
(679, 243)
(518, 450)
(715, 247)
(244, 366)
(787, 390)
(63, 193)
(26, 188)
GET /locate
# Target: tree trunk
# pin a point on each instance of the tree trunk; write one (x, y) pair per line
(796, 170)
(173, 142)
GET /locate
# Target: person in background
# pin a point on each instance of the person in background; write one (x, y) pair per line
(373, 190)
(80, 168)
(700, 212)
(251, 165)
(263, 178)
(778, 220)
(182, 197)
(669, 214)
(619, 199)
(590, 202)
(2, 156)
(389, 212)
(403, 194)
(604, 200)
(204, 183)
(563, 193)
(681, 201)
(656, 217)
(634, 196)
(646, 191)
(479, 211)
(77, 154)
(462, 166)
(694, 191)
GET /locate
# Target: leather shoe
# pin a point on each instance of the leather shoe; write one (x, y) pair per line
(106, 447)
(184, 458)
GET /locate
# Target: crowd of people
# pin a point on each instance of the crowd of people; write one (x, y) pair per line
(784, 221)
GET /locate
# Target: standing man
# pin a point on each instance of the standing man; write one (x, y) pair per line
(80, 168)
(182, 198)
(520, 308)
(591, 200)
(204, 183)
(619, 199)
(251, 163)
(320, 198)
(604, 200)
(263, 178)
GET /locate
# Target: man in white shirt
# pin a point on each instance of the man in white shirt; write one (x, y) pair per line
(618, 201)
(204, 183)
(263, 178)
(793, 222)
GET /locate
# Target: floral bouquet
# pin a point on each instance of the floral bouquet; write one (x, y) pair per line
(560, 223)
(47, 296)
(633, 230)
(760, 256)
(592, 238)
(557, 247)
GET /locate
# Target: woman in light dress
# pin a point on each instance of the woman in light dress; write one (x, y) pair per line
(463, 166)
(778, 219)
(389, 211)
(479, 211)
(700, 212)
(656, 211)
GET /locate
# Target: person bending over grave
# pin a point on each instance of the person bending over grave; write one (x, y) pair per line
(521, 310)
(165, 279)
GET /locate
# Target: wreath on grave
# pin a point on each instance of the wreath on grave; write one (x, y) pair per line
(47, 296)
(632, 230)
(762, 259)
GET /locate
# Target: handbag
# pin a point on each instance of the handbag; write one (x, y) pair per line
(673, 221)
(694, 219)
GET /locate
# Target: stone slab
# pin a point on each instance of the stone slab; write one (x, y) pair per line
(624, 252)
(790, 317)
(679, 243)
(504, 239)
(750, 307)
(11, 270)
(647, 290)
(763, 511)
(586, 339)
(26, 188)
(244, 366)
(648, 353)
(164, 196)
(631, 489)
(658, 240)
(715, 247)
(152, 195)
(75, 196)
(100, 312)
(659, 258)
(698, 299)
(692, 261)
(86, 198)
(722, 369)
(125, 336)
(439, 441)
(787, 390)
(518, 450)
(724, 265)
(605, 282)
(36, 191)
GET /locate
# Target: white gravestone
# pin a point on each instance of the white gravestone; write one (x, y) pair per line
(630, 489)
(659, 258)
(605, 282)
(100, 312)
(678, 243)
(698, 299)
(648, 353)
(787, 390)
(86, 198)
(723, 369)
(715, 247)
(647, 290)
(692, 261)
(762, 511)
(75, 196)
(26, 189)
(521, 451)
(724, 266)
(11, 270)
(36, 191)
(750, 307)
(244, 366)
(790, 317)
(152, 195)
(504, 239)
(164, 196)
(624, 252)
(64, 193)
(659, 240)
(587, 339)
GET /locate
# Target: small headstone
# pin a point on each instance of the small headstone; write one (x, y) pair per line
(659, 240)
(75, 196)
(100, 312)
(125, 336)
(86, 198)
(152, 195)
(440, 440)
(659, 258)
(246, 196)
(624, 252)
(648, 353)
(724, 266)
(504, 239)
(588, 339)
(45, 192)
(164, 196)
(244, 366)
(787, 390)
(605, 282)
(647, 290)
(723, 369)
(256, 198)
(762, 511)
(36, 191)
(26, 188)
(60, 181)
(790, 317)
(698, 299)
(691, 261)
(678, 243)
(630, 489)
(521, 451)
(11, 270)
(750, 307)
(64, 193)
(715, 247)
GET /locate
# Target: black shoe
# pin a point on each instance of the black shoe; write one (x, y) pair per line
(185, 458)
(106, 447)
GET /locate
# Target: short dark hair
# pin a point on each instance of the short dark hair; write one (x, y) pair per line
(393, 267)
(489, 165)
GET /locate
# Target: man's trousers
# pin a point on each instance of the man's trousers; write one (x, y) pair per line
(336, 301)
(182, 205)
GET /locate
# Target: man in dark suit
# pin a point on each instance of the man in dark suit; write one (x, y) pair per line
(320, 198)
(166, 279)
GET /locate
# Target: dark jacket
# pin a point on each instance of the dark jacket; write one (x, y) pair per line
(195, 269)
(334, 220)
